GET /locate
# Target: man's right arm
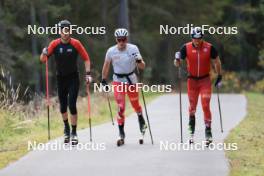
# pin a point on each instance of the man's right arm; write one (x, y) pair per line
(48, 51)
(180, 55)
(106, 68)
(44, 55)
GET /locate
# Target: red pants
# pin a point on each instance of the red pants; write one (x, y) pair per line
(120, 97)
(195, 88)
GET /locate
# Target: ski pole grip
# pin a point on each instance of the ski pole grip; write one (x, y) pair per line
(177, 55)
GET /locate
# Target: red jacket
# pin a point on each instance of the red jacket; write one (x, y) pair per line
(198, 59)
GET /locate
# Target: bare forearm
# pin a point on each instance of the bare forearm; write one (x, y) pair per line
(177, 62)
(43, 58)
(104, 74)
(218, 66)
(87, 66)
(141, 65)
(105, 70)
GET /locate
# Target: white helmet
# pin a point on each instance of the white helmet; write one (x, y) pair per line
(121, 32)
(197, 33)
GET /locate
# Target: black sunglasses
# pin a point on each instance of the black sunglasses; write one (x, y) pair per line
(121, 39)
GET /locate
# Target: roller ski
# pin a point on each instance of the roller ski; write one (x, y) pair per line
(191, 129)
(66, 139)
(191, 141)
(66, 136)
(74, 139)
(121, 140)
(142, 128)
(208, 136)
(142, 131)
(141, 140)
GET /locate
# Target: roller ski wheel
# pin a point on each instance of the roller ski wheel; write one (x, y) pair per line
(208, 142)
(74, 140)
(141, 141)
(143, 129)
(120, 142)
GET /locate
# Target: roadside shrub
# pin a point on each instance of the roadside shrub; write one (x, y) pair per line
(259, 86)
(231, 82)
(240, 81)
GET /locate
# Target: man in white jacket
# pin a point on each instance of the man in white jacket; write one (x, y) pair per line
(125, 57)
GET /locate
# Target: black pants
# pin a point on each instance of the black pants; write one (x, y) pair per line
(68, 88)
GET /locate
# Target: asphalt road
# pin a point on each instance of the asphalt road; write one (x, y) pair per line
(103, 157)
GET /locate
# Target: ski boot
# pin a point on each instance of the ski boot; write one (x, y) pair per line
(208, 136)
(142, 127)
(121, 140)
(74, 139)
(191, 128)
(66, 135)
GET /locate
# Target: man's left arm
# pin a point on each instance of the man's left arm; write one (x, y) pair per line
(217, 65)
(139, 60)
(84, 55)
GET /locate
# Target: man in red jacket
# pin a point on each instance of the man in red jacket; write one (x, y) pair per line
(199, 54)
(66, 50)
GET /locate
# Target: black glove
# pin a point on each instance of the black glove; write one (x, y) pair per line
(138, 61)
(218, 81)
(105, 84)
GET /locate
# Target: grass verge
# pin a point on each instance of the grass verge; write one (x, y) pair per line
(248, 160)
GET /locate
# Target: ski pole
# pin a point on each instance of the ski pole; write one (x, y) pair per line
(110, 109)
(144, 102)
(47, 96)
(89, 111)
(219, 107)
(180, 99)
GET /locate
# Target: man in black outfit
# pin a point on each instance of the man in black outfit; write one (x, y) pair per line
(66, 50)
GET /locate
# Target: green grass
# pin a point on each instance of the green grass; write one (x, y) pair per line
(16, 131)
(248, 160)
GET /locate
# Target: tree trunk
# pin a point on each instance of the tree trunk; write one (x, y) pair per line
(2, 27)
(34, 48)
(123, 14)
(104, 18)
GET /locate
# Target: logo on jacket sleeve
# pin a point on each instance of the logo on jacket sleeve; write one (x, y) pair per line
(69, 50)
